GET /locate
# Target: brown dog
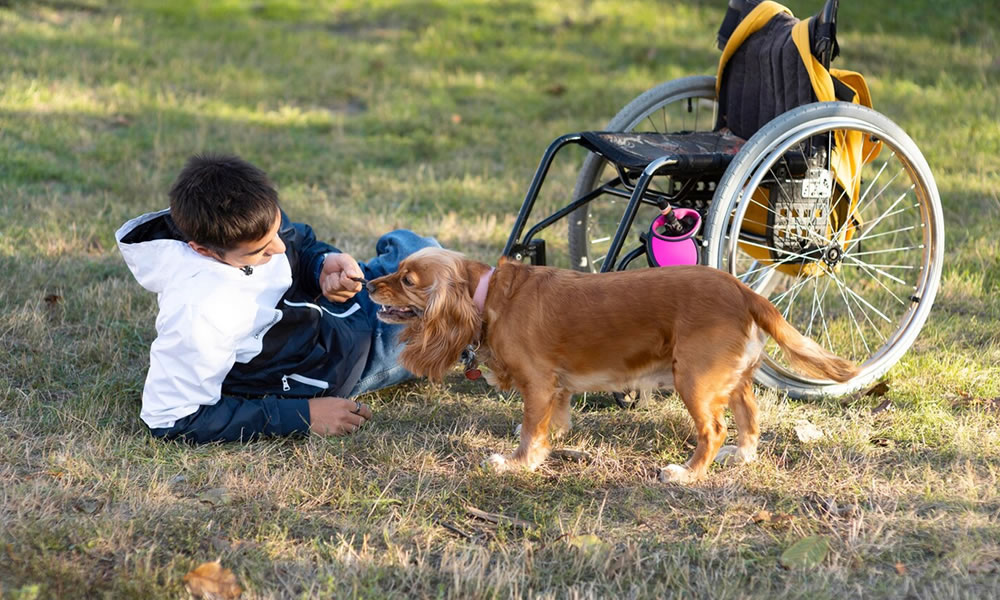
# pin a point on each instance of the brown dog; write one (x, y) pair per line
(552, 332)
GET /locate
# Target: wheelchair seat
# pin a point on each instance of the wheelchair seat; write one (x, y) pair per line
(698, 151)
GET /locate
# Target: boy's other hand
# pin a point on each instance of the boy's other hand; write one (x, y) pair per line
(337, 416)
(335, 279)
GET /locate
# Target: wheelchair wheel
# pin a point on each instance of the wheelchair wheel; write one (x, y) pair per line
(856, 272)
(686, 104)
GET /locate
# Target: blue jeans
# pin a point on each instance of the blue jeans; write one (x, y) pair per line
(383, 368)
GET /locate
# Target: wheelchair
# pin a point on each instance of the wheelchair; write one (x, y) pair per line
(786, 178)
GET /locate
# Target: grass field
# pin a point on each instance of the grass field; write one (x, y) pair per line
(433, 115)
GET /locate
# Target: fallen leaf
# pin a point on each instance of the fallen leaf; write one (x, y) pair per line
(456, 118)
(781, 520)
(53, 299)
(878, 390)
(967, 400)
(762, 516)
(882, 442)
(900, 569)
(212, 582)
(215, 496)
(556, 89)
(807, 432)
(805, 553)
(766, 517)
(883, 406)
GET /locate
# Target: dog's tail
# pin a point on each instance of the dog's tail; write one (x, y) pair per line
(804, 354)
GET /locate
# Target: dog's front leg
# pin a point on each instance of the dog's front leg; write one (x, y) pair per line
(539, 404)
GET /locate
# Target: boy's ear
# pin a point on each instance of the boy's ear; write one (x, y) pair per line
(203, 250)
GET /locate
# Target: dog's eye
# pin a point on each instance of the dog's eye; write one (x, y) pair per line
(407, 281)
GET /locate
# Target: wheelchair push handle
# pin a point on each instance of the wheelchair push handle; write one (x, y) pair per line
(824, 44)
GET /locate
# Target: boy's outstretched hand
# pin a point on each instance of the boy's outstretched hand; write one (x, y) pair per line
(337, 416)
(335, 278)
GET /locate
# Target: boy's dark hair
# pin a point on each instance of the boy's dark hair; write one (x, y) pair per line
(220, 200)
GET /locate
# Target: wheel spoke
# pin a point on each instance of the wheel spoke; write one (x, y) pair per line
(777, 299)
(875, 223)
(822, 316)
(853, 319)
(865, 266)
(812, 306)
(785, 252)
(797, 288)
(871, 324)
(879, 281)
(856, 261)
(900, 249)
(865, 302)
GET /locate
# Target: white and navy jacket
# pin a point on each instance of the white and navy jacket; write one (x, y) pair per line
(237, 356)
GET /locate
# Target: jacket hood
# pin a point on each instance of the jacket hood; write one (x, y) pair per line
(157, 253)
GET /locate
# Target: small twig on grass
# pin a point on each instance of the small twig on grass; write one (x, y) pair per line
(499, 519)
(455, 530)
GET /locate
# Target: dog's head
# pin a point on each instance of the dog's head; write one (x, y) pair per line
(431, 294)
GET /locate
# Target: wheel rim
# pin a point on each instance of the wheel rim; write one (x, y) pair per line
(693, 109)
(869, 292)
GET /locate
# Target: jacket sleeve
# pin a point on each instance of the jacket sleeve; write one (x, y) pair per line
(305, 254)
(189, 360)
(241, 420)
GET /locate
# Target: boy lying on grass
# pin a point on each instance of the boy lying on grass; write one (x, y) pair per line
(262, 329)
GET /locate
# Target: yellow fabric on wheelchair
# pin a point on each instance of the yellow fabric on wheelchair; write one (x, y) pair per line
(850, 153)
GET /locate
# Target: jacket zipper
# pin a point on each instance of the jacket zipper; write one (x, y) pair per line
(302, 379)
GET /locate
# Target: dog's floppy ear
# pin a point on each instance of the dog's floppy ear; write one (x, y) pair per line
(450, 323)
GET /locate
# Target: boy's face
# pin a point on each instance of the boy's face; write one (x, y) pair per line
(252, 253)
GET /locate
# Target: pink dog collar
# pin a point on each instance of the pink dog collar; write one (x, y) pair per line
(479, 298)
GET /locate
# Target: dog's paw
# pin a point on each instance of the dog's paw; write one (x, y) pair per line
(496, 463)
(676, 474)
(734, 455)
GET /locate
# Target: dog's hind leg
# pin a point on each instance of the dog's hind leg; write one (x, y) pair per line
(744, 406)
(562, 417)
(539, 404)
(707, 408)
